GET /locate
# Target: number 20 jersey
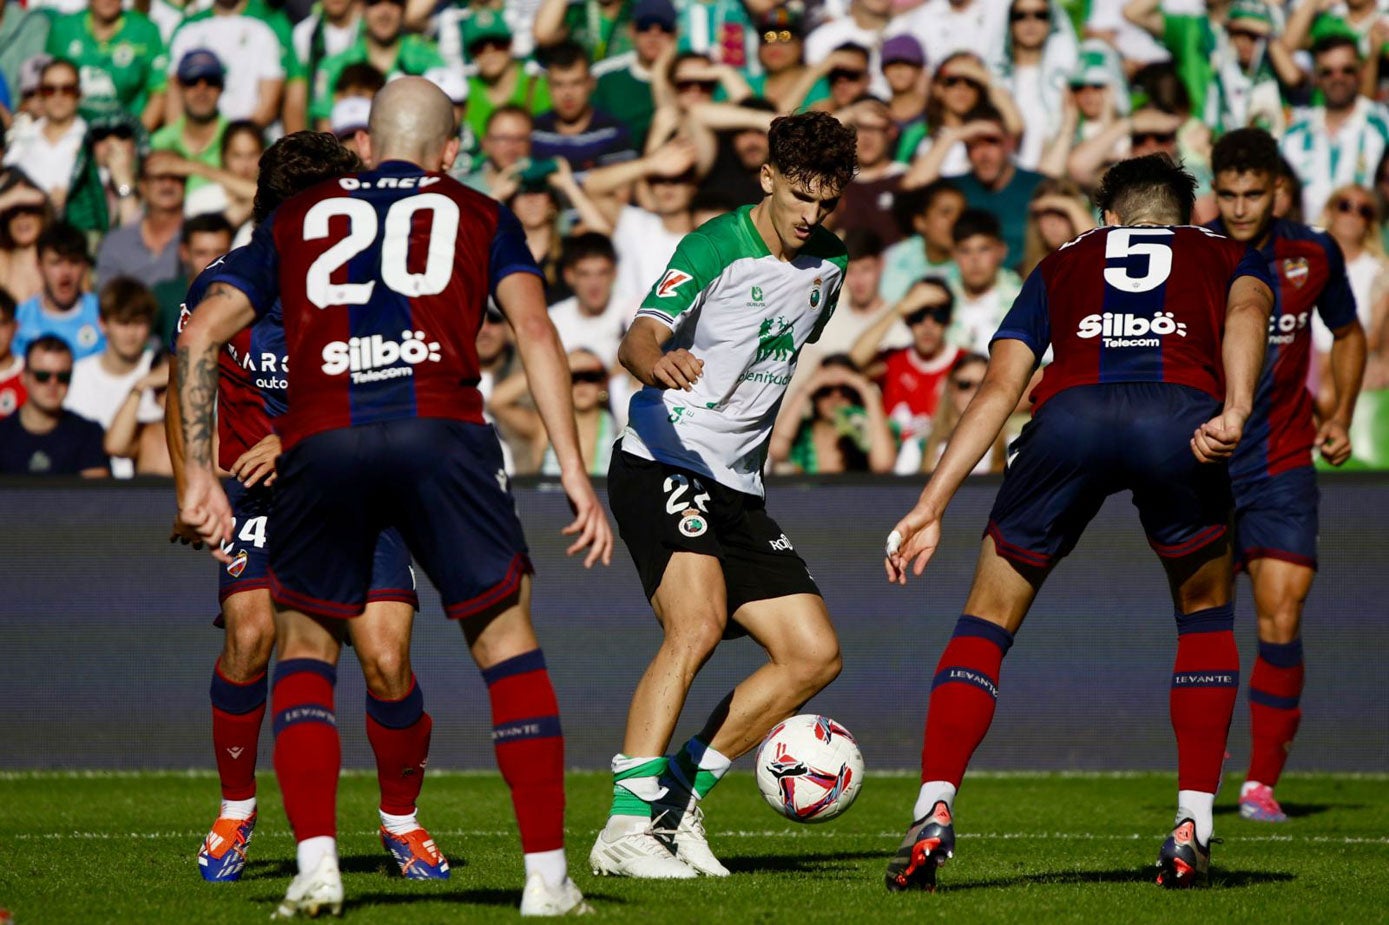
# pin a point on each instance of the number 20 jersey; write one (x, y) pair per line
(383, 277)
(1132, 304)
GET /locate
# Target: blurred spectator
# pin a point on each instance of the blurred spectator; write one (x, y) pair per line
(986, 291)
(959, 87)
(12, 392)
(931, 213)
(784, 77)
(1148, 131)
(28, 109)
(255, 60)
(104, 192)
(1310, 22)
(496, 358)
(537, 208)
(740, 154)
(119, 54)
(723, 30)
(1106, 24)
(913, 376)
(684, 91)
(197, 134)
(1353, 220)
(455, 86)
(47, 150)
(624, 81)
(949, 26)
(1341, 141)
(863, 25)
(134, 436)
(42, 437)
(500, 78)
(573, 129)
(505, 144)
(103, 380)
(62, 308)
(23, 35)
(866, 203)
(860, 303)
(232, 191)
(847, 73)
(1058, 212)
(351, 114)
(330, 29)
(599, 27)
(904, 68)
(591, 319)
(960, 388)
(147, 249)
(24, 214)
(1041, 54)
(1095, 97)
(834, 424)
(384, 45)
(510, 405)
(202, 240)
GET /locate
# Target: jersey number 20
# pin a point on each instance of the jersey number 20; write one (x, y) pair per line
(362, 231)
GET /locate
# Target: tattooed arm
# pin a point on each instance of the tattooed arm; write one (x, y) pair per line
(224, 311)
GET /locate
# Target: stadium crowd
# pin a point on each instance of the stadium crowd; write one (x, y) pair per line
(612, 128)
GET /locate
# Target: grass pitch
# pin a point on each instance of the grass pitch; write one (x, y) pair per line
(77, 848)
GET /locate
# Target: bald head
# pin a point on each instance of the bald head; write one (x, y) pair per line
(412, 120)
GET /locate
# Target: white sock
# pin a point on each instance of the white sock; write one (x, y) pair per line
(398, 825)
(933, 792)
(239, 809)
(1245, 788)
(550, 865)
(1200, 808)
(312, 851)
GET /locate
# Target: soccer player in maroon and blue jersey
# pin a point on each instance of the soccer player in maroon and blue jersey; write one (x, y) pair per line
(1157, 330)
(384, 278)
(250, 395)
(1274, 482)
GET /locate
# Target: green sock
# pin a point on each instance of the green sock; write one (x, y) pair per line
(698, 767)
(636, 784)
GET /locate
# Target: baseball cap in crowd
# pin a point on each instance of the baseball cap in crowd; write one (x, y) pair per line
(452, 82)
(350, 115)
(781, 23)
(1249, 16)
(484, 24)
(31, 73)
(1097, 65)
(648, 13)
(903, 49)
(200, 64)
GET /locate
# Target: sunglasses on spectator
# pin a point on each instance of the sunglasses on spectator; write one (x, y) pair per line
(844, 73)
(938, 313)
(984, 140)
(57, 89)
(704, 86)
(395, 2)
(123, 132)
(591, 376)
(1038, 213)
(1363, 209)
(491, 43)
(215, 83)
(950, 81)
(1347, 71)
(965, 385)
(778, 37)
(686, 177)
(166, 177)
(828, 391)
(1025, 15)
(44, 375)
(1142, 138)
(1088, 86)
(1243, 34)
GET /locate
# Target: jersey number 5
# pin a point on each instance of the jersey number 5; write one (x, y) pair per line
(1131, 245)
(395, 247)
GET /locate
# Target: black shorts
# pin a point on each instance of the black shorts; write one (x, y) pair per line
(663, 509)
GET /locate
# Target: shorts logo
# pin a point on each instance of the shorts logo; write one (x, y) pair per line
(1122, 329)
(1295, 271)
(372, 358)
(238, 565)
(671, 282)
(781, 544)
(692, 523)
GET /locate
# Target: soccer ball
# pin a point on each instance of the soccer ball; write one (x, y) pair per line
(809, 768)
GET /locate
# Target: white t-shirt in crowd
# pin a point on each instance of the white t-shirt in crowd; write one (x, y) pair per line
(97, 395)
(249, 50)
(599, 334)
(644, 247)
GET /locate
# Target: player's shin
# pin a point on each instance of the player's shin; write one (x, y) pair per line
(399, 732)
(530, 755)
(1205, 684)
(1275, 692)
(238, 710)
(308, 754)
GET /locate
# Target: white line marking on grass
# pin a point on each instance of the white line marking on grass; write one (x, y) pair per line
(886, 774)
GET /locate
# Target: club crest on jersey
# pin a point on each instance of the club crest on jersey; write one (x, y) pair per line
(1295, 271)
(815, 292)
(692, 523)
(373, 358)
(1121, 329)
(238, 565)
(671, 282)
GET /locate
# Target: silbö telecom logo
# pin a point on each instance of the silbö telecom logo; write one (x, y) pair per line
(1122, 329)
(371, 359)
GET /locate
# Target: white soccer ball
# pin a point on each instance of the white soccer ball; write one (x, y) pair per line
(809, 768)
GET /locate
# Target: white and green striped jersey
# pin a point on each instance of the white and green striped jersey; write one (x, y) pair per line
(1325, 161)
(747, 315)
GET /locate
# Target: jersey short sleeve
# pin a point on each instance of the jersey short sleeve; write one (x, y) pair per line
(1254, 264)
(1336, 306)
(692, 267)
(509, 252)
(1027, 320)
(253, 269)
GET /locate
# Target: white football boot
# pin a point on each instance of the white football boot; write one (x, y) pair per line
(638, 853)
(683, 833)
(314, 892)
(541, 899)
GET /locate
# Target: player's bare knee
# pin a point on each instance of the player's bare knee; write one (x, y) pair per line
(1281, 624)
(694, 636)
(387, 673)
(246, 649)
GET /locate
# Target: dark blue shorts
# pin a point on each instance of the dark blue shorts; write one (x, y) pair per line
(392, 579)
(1276, 517)
(1089, 442)
(440, 483)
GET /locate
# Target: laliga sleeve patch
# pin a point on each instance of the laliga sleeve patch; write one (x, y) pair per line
(671, 283)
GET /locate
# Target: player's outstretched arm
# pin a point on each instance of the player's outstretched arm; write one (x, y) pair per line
(522, 300)
(1348, 353)
(224, 311)
(1242, 353)
(643, 355)
(913, 541)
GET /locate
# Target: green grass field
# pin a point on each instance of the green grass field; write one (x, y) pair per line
(78, 848)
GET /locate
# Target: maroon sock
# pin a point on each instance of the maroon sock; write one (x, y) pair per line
(399, 734)
(237, 712)
(963, 696)
(1205, 683)
(530, 747)
(1275, 692)
(307, 751)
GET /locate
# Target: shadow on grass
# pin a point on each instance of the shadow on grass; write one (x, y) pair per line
(475, 897)
(1296, 810)
(1221, 879)
(794, 863)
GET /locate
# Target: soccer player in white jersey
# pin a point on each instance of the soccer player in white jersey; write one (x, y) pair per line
(715, 344)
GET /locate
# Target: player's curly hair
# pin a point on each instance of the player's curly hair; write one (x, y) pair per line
(1152, 188)
(1247, 149)
(297, 162)
(813, 148)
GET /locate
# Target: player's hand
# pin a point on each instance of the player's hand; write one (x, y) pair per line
(1334, 442)
(182, 533)
(590, 520)
(258, 463)
(678, 369)
(1217, 438)
(206, 510)
(913, 541)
